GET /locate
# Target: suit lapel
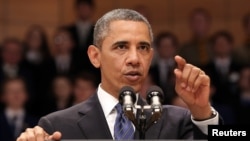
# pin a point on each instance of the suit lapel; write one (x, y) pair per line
(93, 122)
(154, 131)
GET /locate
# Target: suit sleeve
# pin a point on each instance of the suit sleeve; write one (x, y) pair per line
(46, 125)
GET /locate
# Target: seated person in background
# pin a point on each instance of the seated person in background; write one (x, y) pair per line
(166, 45)
(14, 118)
(12, 64)
(61, 92)
(123, 51)
(244, 92)
(224, 74)
(85, 85)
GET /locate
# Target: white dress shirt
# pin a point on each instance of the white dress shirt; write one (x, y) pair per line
(10, 70)
(19, 119)
(108, 103)
(63, 63)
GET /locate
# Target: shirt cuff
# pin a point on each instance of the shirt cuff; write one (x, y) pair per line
(203, 125)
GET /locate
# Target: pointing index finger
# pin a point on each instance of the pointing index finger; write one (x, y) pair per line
(181, 62)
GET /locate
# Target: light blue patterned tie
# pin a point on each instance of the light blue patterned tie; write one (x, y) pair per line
(123, 126)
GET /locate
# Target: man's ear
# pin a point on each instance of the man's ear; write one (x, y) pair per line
(94, 56)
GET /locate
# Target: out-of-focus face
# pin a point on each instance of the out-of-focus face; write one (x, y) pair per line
(15, 94)
(84, 11)
(62, 88)
(63, 42)
(12, 53)
(83, 89)
(199, 24)
(245, 79)
(222, 48)
(166, 48)
(34, 40)
(125, 56)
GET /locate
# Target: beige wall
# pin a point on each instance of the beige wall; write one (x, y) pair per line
(17, 15)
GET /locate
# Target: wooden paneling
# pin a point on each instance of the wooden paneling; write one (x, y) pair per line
(172, 15)
(30, 11)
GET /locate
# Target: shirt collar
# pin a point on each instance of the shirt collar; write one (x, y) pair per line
(10, 113)
(107, 101)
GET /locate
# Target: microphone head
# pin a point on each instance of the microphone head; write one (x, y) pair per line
(127, 90)
(154, 91)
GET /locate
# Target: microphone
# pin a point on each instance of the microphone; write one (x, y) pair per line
(155, 98)
(127, 99)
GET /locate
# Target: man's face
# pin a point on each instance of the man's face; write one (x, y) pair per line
(125, 56)
(199, 24)
(166, 48)
(15, 94)
(12, 53)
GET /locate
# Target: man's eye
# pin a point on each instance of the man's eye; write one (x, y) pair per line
(121, 47)
(144, 47)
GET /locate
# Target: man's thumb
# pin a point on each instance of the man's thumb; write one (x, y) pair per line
(56, 136)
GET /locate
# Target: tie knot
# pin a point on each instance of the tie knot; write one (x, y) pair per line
(118, 107)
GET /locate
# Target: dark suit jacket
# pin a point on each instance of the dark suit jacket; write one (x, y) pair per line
(226, 88)
(80, 51)
(6, 134)
(169, 86)
(87, 121)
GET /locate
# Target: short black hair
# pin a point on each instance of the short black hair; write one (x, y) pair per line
(11, 40)
(88, 2)
(166, 34)
(246, 20)
(6, 81)
(87, 76)
(222, 33)
(202, 11)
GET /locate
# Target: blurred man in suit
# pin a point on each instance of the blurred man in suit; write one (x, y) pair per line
(163, 70)
(82, 32)
(197, 50)
(14, 119)
(123, 51)
(12, 65)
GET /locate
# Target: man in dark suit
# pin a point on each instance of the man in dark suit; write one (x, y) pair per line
(14, 119)
(82, 32)
(166, 45)
(123, 51)
(12, 65)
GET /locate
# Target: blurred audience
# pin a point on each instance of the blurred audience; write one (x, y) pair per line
(82, 33)
(14, 119)
(166, 45)
(197, 50)
(62, 61)
(224, 75)
(36, 45)
(85, 85)
(244, 93)
(12, 64)
(62, 93)
(37, 53)
(242, 53)
(222, 69)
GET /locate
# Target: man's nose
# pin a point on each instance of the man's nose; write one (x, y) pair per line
(133, 57)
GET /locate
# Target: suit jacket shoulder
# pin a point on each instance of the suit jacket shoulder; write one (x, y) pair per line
(82, 121)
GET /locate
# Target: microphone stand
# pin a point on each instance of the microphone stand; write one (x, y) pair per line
(141, 124)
